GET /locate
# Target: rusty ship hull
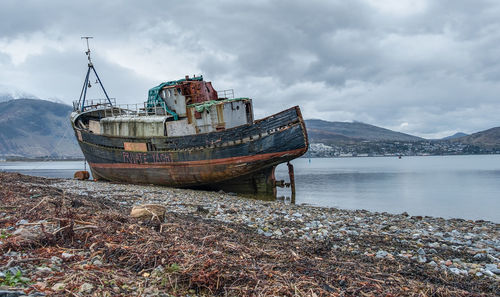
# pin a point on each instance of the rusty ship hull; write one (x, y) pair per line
(240, 159)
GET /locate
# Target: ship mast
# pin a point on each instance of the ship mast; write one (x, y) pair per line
(86, 83)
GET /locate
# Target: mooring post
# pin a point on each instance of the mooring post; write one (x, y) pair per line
(292, 180)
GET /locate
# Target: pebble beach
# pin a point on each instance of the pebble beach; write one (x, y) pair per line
(450, 245)
(393, 254)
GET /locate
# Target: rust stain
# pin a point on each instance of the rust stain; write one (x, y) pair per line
(189, 116)
(198, 91)
(220, 113)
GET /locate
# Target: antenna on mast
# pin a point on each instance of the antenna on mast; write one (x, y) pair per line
(88, 48)
(86, 83)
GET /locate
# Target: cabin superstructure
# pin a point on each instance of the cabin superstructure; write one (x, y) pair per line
(176, 108)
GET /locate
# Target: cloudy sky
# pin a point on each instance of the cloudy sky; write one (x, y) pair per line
(428, 68)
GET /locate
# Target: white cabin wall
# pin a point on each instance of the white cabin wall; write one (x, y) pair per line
(175, 100)
(133, 126)
(180, 128)
(234, 114)
(204, 124)
(223, 115)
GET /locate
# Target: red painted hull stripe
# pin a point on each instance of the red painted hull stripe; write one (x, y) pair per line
(223, 161)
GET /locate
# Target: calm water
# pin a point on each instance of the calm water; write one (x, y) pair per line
(59, 169)
(446, 186)
(450, 186)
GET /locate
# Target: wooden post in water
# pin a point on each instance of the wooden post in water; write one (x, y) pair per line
(292, 180)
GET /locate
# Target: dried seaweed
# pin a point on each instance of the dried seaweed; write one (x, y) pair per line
(186, 254)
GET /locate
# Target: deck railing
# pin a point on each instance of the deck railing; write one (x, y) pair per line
(227, 94)
(113, 109)
(138, 109)
(94, 104)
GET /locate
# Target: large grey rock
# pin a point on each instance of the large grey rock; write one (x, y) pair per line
(26, 233)
(493, 268)
(22, 222)
(381, 254)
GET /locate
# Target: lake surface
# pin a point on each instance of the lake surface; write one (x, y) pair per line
(446, 186)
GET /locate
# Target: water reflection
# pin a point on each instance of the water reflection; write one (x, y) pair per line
(286, 199)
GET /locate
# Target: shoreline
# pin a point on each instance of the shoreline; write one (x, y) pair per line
(36, 159)
(27, 159)
(392, 254)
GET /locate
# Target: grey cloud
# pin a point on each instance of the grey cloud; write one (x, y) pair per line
(435, 69)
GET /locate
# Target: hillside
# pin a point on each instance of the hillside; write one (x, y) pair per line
(345, 132)
(35, 128)
(38, 128)
(488, 138)
(5, 97)
(454, 136)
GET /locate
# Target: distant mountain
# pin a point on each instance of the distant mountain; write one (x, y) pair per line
(6, 97)
(320, 131)
(488, 138)
(456, 135)
(7, 94)
(38, 128)
(35, 128)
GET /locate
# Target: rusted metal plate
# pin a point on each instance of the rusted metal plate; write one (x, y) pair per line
(135, 146)
(198, 91)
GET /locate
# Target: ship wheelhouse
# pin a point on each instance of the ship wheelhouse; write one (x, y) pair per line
(183, 107)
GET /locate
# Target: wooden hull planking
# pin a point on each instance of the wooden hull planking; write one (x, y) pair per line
(240, 159)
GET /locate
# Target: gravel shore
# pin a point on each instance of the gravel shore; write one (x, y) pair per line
(453, 246)
(388, 254)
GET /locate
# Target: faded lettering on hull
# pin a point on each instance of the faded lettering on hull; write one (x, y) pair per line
(146, 158)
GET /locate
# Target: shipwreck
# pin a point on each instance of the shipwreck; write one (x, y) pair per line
(186, 135)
